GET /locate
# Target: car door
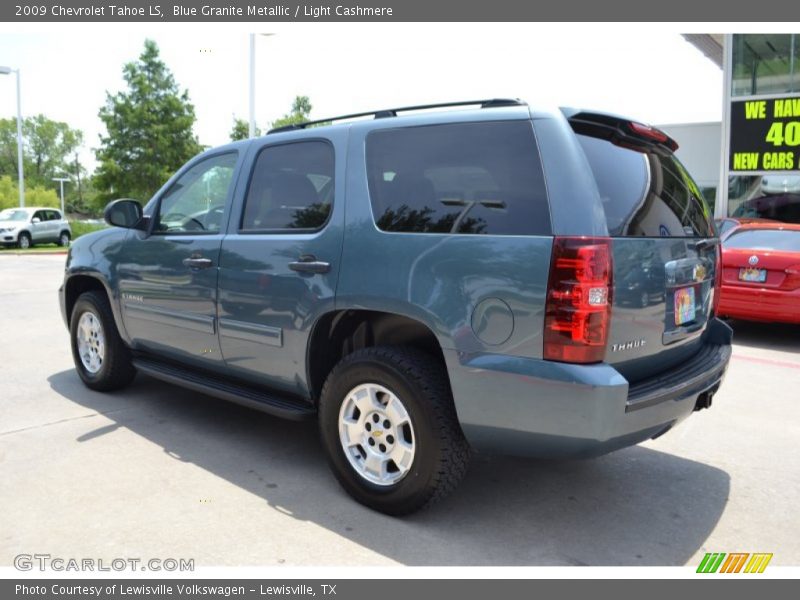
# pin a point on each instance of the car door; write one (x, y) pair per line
(279, 263)
(168, 274)
(38, 227)
(53, 221)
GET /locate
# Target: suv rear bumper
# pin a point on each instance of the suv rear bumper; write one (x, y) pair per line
(540, 408)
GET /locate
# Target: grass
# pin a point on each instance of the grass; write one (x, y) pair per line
(79, 228)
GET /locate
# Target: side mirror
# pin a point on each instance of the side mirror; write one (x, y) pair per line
(125, 213)
(36, 220)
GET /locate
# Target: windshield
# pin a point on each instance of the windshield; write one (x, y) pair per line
(11, 214)
(765, 239)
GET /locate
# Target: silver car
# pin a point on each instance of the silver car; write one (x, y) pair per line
(27, 226)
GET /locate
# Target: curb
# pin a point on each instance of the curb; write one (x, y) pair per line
(44, 253)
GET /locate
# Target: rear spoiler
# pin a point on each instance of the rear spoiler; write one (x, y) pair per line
(620, 131)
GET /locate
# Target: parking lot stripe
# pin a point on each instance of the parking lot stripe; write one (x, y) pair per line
(768, 361)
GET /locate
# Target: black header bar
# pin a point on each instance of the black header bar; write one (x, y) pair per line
(388, 11)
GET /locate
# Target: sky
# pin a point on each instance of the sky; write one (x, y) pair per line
(647, 72)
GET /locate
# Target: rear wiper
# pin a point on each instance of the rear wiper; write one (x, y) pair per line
(471, 203)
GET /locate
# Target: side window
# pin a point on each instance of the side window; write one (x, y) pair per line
(53, 215)
(469, 178)
(196, 201)
(291, 187)
(39, 214)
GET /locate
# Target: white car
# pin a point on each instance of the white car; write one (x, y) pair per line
(780, 184)
(27, 226)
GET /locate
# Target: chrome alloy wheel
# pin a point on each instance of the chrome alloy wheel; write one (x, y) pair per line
(91, 342)
(376, 434)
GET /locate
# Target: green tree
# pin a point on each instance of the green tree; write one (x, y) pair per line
(48, 149)
(301, 109)
(241, 130)
(149, 129)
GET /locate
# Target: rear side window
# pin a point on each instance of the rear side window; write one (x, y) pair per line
(469, 178)
(646, 194)
(291, 187)
(765, 239)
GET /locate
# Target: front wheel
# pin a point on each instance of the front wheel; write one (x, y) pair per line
(389, 427)
(101, 358)
(24, 241)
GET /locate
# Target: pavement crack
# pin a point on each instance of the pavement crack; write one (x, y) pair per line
(96, 414)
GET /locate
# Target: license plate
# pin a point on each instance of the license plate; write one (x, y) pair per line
(754, 275)
(684, 305)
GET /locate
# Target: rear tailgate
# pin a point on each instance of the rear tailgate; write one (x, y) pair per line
(663, 241)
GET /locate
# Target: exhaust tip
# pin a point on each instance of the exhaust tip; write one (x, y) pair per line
(704, 400)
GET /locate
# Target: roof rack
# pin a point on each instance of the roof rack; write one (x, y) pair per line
(392, 112)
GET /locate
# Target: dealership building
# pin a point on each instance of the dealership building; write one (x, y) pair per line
(749, 164)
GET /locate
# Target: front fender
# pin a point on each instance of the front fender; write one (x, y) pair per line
(91, 264)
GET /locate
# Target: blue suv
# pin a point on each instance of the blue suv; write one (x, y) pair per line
(491, 276)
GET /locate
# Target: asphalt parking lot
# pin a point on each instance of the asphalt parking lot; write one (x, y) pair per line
(157, 471)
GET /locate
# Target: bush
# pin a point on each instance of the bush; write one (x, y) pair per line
(34, 196)
(80, 228)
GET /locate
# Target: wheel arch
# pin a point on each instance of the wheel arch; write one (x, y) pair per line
(82, 282)
(339, 333)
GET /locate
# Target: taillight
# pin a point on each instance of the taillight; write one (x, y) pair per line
(792, 280)
(578, 307)
(651, 133)
(717, 281)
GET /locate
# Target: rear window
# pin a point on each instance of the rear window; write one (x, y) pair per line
(765, 239)
(469, 178)
(646, 194)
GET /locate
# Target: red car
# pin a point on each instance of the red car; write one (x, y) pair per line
(761, 273)
(726, 225)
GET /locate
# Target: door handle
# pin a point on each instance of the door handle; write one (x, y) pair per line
(308, 263)
(197, 263)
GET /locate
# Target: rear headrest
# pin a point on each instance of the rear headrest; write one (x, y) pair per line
(415, 191)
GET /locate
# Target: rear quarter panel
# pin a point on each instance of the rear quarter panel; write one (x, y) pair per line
(477, 293)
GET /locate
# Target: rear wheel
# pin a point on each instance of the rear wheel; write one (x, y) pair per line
(24, 241)
(101, 358)
(63, 239)
(390, 429)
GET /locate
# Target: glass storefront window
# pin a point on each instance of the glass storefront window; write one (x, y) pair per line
(770, 196)
(765, 64)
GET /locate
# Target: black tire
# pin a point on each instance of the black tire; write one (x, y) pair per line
(117, 369)
(64, 238)
(24, 241)
(441, 453)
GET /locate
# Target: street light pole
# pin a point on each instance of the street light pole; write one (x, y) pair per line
(7, 71)
(251, 130)
(61, 181)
